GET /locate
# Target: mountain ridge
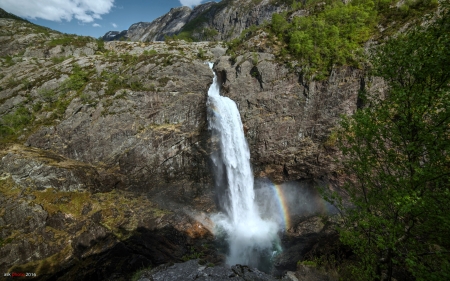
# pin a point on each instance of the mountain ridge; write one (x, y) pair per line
(210, 21)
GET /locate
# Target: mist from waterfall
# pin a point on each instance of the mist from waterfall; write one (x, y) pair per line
(251, 240)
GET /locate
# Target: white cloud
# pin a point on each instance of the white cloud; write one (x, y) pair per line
(96, 25)
(190, 3)
(114, 25)
(57, 10)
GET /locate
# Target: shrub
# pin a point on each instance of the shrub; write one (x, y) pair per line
(13, 123)
(77, 80)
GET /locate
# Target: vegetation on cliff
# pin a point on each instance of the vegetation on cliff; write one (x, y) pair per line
(319, 35)
(396, 152)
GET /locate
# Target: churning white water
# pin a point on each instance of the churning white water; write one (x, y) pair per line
(250, 238)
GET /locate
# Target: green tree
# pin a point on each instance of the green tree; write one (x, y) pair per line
(396, 154)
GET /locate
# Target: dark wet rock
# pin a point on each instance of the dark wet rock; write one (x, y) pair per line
(192, 270)
(300, 241)
(308, 273)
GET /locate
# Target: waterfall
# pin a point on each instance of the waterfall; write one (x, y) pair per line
(250, 239)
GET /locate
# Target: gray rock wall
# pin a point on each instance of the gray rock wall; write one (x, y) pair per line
(287, 121)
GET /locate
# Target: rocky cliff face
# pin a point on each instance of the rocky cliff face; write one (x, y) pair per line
(104, 147)
(288, 122)
(219, 21)
(84, 129)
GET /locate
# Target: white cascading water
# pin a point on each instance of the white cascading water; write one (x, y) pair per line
(250, 238)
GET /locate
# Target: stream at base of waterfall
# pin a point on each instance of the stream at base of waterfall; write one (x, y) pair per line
(251, 239)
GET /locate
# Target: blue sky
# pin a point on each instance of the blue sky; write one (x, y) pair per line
(92, 17)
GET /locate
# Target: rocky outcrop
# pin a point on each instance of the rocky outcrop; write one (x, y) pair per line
(210, 21)
(192, 270)
(40, 169)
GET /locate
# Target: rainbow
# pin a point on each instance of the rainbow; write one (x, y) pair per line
(282, 205)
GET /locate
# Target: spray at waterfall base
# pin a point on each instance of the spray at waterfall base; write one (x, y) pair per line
(252, 240)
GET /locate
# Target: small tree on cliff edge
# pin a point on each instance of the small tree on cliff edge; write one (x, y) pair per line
(396, 153)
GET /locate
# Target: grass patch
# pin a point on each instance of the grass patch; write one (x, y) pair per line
(12, 82)
(71, 203)
(73, 40)
(137, 275)
(113, 205)
(13, 123)
(77, 80)
(57, 60)
(8, 61)
(8, 188)
(116, 82)
(48, 95)
(163, 81)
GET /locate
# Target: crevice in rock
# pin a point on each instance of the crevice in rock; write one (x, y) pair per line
(285, 171)
(254, 72)
(361, 100)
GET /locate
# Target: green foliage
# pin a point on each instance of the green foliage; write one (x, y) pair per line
(26, 84)
(117, 82)
(279, 24)
(85, 98)
(5, 242)
(237, 44)
(57, 60)
(192, 26)
(37, 106)
(331, 37)
(74, 40)
(201, 54)
(138, 274)
(114, 82)
(209, 34)
(9, 60)
(411, 9)
(151, 52)
(193, 254)
(307, 263)
(48, 95)
(77, 80)
(255, 58)
(334, 33)
(60, 106)
(12, 82)
(101, 45)
(13, 123)
(6, 15)
(396, 153)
